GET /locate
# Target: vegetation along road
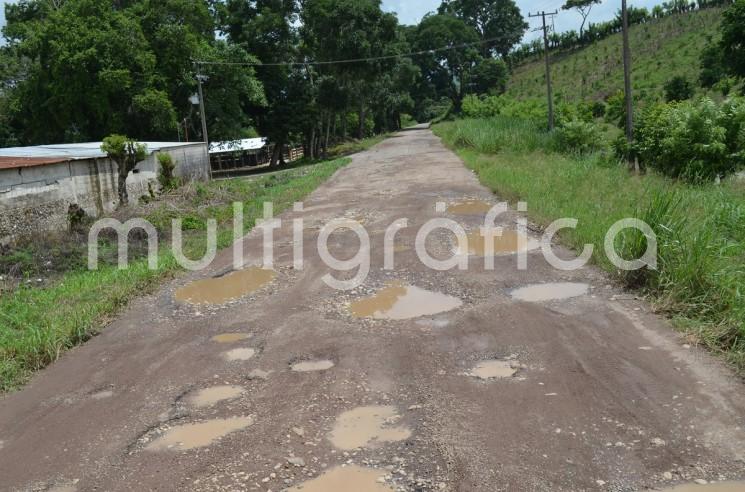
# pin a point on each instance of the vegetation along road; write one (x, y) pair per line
(417, 380)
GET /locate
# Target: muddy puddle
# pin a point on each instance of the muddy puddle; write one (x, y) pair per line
(230, 337)
(243, 353)
(190, 436)
(367, 426)
(346, 479)
(312, 365)
(550, 292)
(221, 290)
(710, 487)
(470, 207)
(508, 242)
(207, 397)
(494, 369)
(399, 301)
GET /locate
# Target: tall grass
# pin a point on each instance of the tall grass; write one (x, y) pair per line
(37, 325)
(700, 280)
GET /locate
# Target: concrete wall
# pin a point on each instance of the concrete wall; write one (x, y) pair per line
(37, 198)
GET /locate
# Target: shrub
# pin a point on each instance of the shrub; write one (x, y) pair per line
(678, 89)
(166, 177)
(695, 141)
(481, 107)
(578, 137)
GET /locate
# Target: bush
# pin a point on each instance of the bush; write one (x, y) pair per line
(694, 141)
(166, 178)
(678, 89)
(578, 137)
(481, 107)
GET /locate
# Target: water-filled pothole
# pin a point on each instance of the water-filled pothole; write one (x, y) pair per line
(710, 487)
(399, 301)
(470, 207)
(224, 289)
(550, 292)
(350, 478)
(190, 436)
(312, 365)
(494, 369)
(509, 242)
(367, 426)
(242, 353)
(230, 337)
(209, 396)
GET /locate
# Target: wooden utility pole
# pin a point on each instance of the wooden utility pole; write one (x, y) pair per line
(549, 88)
(627, 80)
(202, 78)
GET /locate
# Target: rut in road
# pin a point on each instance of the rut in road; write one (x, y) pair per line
(419, 379)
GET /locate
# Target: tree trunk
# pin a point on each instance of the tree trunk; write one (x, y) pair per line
(276, 153)
(122, 185)
(328, 134)
(313, 154)
(361, 123)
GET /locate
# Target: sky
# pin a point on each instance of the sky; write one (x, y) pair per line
(411, 11)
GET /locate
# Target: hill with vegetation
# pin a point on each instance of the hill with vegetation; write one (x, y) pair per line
(661, 48)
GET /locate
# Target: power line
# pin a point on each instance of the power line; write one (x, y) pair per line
(549, 89)
(352, 60)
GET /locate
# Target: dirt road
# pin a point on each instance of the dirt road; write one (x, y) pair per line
(448, 380)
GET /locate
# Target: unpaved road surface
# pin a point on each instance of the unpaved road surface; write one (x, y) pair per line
(569, 387)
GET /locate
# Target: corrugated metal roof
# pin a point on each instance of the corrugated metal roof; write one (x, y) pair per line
(237, 145)
(39, 155)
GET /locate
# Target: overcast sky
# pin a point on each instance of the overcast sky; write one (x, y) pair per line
(411, 11)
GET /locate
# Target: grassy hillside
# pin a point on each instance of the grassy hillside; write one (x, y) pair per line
(662, 49)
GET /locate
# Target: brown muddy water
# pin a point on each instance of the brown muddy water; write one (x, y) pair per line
(399, 302)
(312, 365)
(221, 290)
(190, 436)
(230, 337)
(350, 478)
(470, 207)
(207, 397)
(493, 369)
(550, 292)
(508, 242)
(367, 427)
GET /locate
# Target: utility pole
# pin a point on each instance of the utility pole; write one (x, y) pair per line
(550, 91)
(627, 80)
(202, 78)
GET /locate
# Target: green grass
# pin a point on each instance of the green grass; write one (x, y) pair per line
(661, 49)
(354, 146)
(37, 325)
(700, 281)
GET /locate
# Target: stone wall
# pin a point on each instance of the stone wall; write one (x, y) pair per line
(37, 198)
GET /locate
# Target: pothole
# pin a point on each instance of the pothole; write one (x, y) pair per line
(224, 289)
(494, 369)
(230, 337)
(190, 436)
(550, 291)
(709, 487)
(242, 353)
(470, 207)
(509, 242)
(346, 479)
(207, 397)
(399, 302)
(312, 365)
(367, 426)
(102, 395)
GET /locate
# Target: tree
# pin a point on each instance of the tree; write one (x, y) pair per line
(447, 69)
(583, 7)
(499, 23)
(490, 77)
(126, 153)
(733, 38)
(678, 88)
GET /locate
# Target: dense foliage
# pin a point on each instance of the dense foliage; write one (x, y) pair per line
(310, 72)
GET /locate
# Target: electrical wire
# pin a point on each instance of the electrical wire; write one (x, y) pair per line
(349, 61)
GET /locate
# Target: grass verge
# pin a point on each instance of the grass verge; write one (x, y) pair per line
(38, 324)
(700, 280)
